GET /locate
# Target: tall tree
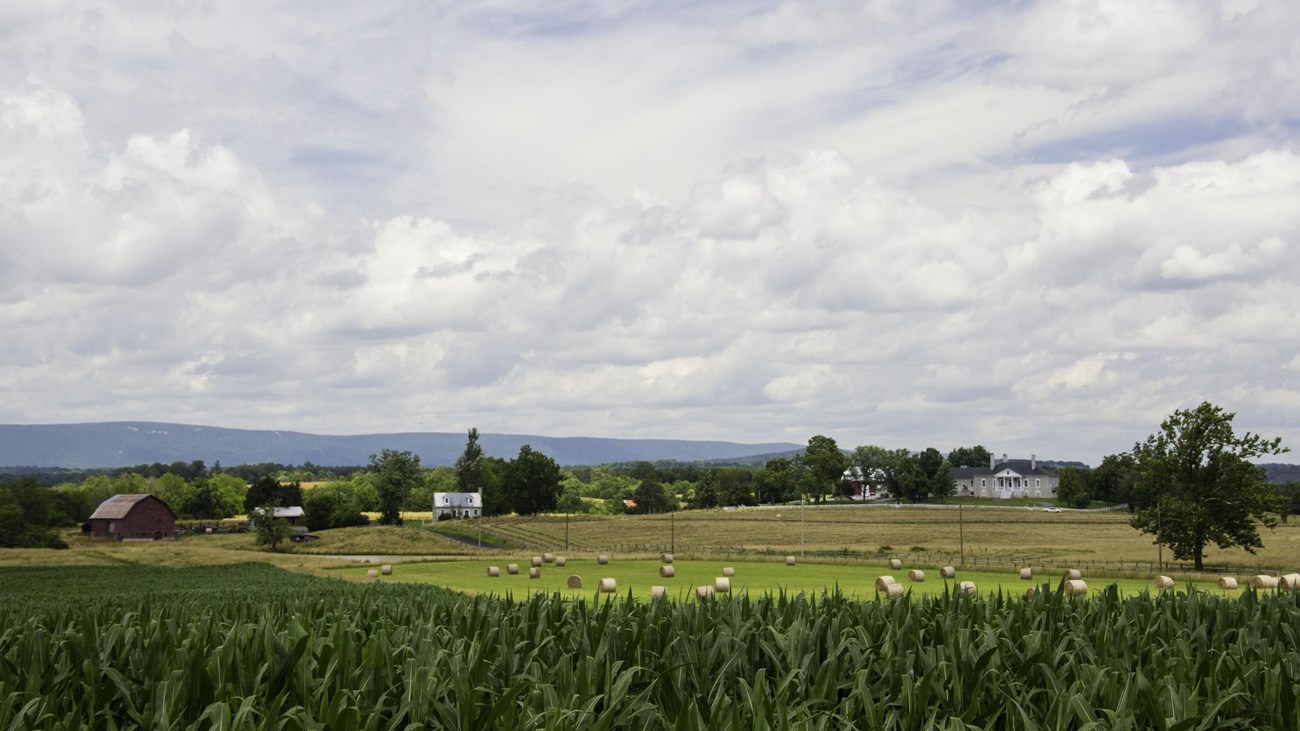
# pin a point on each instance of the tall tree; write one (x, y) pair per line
(469, 465)
(706, 492)
(825, 465)
(534, 481)
(1198, 486)
(267, 490)
(650, 497)
(491, 474)
(1074, 488)
(777, 482)
(976, 456)
(396, 473)
(939, 482)
(1112, 480)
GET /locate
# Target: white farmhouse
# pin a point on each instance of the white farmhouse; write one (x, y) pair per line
(457, 504)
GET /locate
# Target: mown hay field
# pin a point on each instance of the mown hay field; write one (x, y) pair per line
(1000, 536)
(635, 577)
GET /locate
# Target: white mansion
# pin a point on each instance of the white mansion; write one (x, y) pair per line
(1006, 479)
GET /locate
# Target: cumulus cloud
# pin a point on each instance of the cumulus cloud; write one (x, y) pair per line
(889, 223)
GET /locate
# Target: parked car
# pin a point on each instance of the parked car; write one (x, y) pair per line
(1051, 510)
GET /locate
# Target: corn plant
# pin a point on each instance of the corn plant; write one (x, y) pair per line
(251, 647)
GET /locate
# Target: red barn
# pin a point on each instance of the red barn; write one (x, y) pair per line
(133, 516)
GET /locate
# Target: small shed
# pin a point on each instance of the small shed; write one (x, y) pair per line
(292, 514)
(133, 516)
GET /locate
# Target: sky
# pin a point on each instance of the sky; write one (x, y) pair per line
(1037, 226)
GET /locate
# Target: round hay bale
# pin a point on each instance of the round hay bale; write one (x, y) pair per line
(1263, 581)
(1073, 575)
(534, 573)
(789, 560)
(386, 569)
(574, 582)
(1163, 582)
(373, 573)
(1076, 587)
(916, 575)
(722, 585)
(667, 572)
(894, 591)
(512, 568)
(896, 563)
(548, 558)
(883, 583)
(948, 572)
(728, 571)
(537, 561)
(494, 571)
(1027, 574)
(608, 586)
(666, 557)
(602, 559)
(1289, 581)
(658, 592)
(704, 592)
(1227, 582)
(559, 560)
(967, 588)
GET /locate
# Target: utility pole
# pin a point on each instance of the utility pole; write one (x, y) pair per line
(672, 530)
(801, 521)
(961, 533)
(566, 530)
(1160, 546)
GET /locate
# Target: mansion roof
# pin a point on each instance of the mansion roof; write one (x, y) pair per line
(1021, 467)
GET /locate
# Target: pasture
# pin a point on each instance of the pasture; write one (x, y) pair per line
(993, 537)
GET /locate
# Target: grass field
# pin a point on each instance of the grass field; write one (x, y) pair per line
(637, 576)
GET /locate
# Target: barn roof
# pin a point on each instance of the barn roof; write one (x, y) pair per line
(116, 507)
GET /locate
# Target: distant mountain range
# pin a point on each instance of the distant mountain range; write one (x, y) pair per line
(130, 443)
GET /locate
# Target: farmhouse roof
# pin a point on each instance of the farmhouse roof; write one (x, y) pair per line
(116, 507)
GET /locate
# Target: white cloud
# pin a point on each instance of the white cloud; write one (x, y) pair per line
(912, 224)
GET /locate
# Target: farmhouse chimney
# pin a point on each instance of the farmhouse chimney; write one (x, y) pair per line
(993, 462)
(1033, 461)
(1004, 458)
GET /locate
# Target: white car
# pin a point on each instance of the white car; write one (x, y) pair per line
(1051, 510)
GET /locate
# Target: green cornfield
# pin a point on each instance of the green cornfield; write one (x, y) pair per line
(252, 647)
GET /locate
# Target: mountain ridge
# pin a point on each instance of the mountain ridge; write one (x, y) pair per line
(110, 444)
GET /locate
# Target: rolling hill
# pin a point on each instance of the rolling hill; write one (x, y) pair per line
(128, 443)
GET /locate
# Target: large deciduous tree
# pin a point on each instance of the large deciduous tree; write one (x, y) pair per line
(396, 473)
(824, 464)
(1197, 486)
(533, 480)
(976, 456)
(1073, 488)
